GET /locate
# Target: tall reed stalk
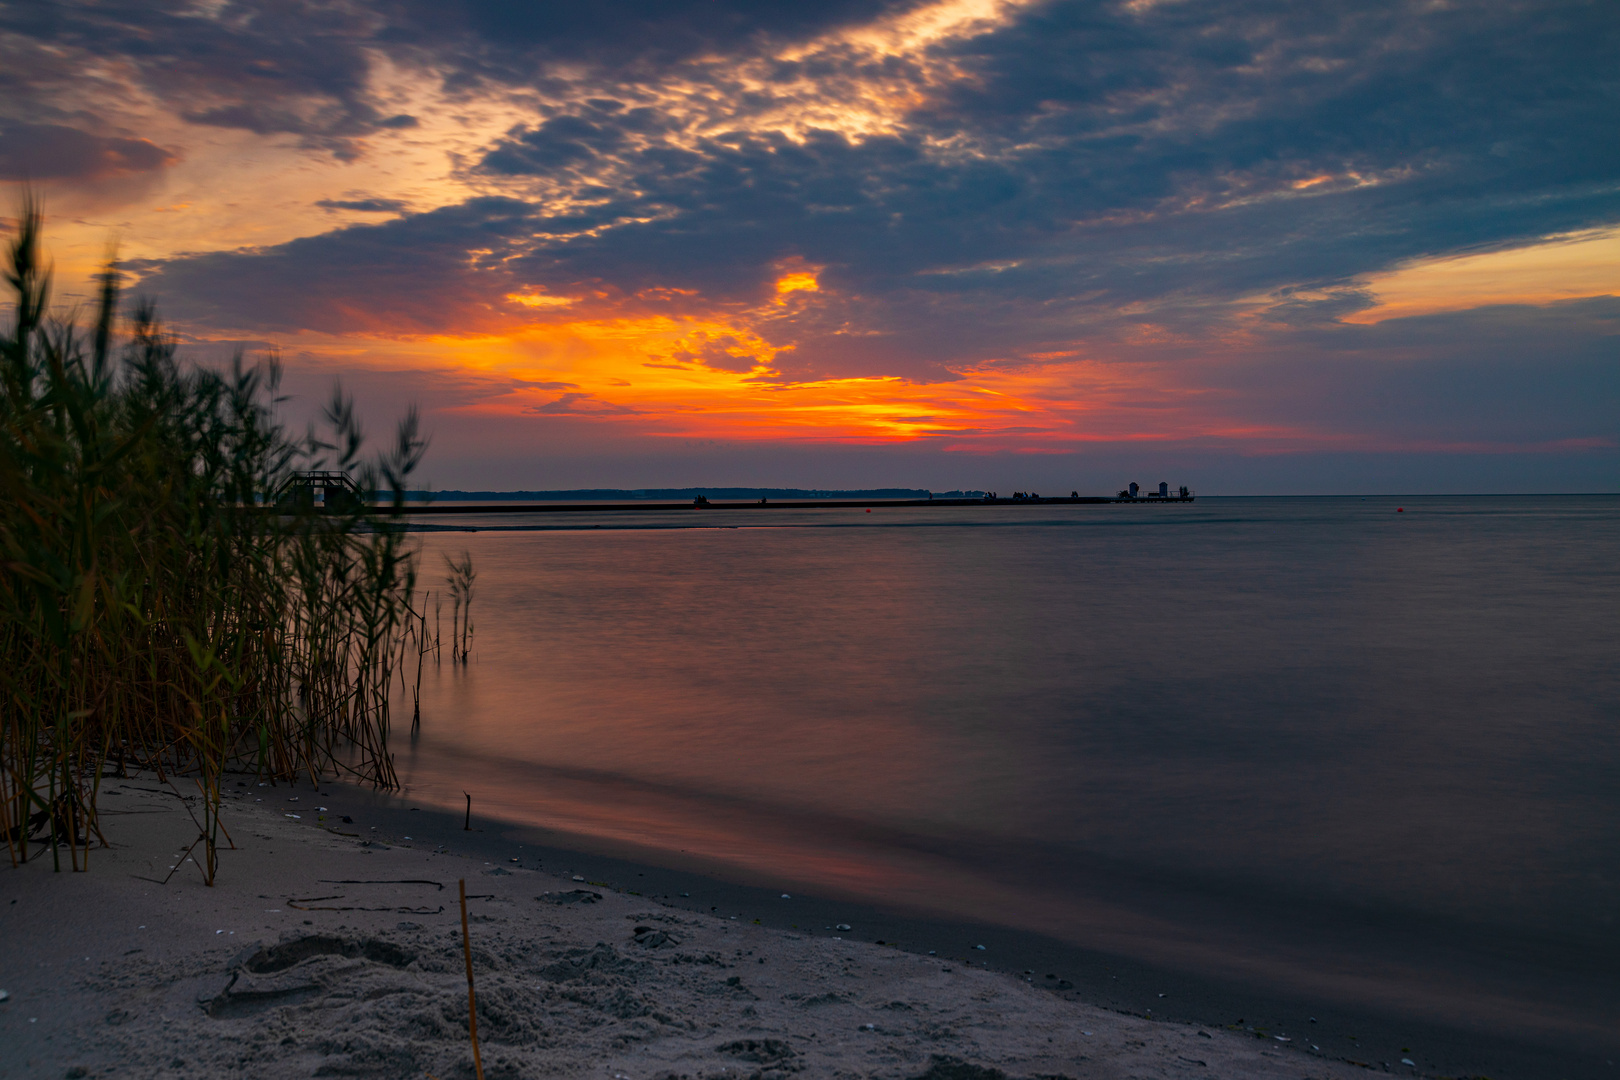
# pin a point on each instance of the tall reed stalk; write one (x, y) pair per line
(155, 605)
(460, 579)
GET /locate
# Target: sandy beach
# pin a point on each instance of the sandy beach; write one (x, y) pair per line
(325, 950)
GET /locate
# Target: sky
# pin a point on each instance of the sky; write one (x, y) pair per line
(1247, 246)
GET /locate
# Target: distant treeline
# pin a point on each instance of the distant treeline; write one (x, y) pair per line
(682, 494)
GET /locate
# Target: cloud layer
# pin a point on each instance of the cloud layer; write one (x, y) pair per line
(1065, 208)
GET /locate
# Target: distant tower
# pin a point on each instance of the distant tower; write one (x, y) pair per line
(1134, 489)
(1164, 490)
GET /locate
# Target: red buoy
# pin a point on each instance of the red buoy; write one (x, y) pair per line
(1400, 509)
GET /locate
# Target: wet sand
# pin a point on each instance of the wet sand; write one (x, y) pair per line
(332, 947)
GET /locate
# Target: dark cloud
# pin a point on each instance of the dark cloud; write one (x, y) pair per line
(435, 272)
(57, 152)
(724, 353)
(1484, 378)
(512, 41)
(1164, 162)
(562, 142)
(302, 67)
(1092, 168)
(580, 405)
(367, 206)
(269, 66)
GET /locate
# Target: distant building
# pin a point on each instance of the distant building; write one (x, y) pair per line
(1136, 491)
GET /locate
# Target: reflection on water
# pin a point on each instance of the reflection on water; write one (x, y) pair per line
(1122, 725)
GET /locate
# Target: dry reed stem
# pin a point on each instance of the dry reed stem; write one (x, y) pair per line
(472, 1000)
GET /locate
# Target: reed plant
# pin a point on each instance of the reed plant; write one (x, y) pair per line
(157, 606)
(460, 580)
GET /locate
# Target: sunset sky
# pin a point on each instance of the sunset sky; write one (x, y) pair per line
(1246, 246)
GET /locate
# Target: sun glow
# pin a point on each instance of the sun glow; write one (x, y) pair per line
(539, 300)
(713, 379)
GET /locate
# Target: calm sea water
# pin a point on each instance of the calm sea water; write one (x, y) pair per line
(1222, 734)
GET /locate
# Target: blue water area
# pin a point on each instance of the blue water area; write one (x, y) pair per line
(1365, 748)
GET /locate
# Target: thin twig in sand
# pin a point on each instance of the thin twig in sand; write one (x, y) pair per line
(472, 1002)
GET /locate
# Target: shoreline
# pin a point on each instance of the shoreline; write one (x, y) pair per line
(282, 859)
(1109, 980)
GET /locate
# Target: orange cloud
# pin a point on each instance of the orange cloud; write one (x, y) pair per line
(659, 376)
(1562, 268)
(798, 282)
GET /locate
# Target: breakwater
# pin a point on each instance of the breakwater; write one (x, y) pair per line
(413, 509)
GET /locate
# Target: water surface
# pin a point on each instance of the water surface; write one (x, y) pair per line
(1310, 741)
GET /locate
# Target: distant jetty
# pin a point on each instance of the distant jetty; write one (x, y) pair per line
(685, 494)
(700, 501)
